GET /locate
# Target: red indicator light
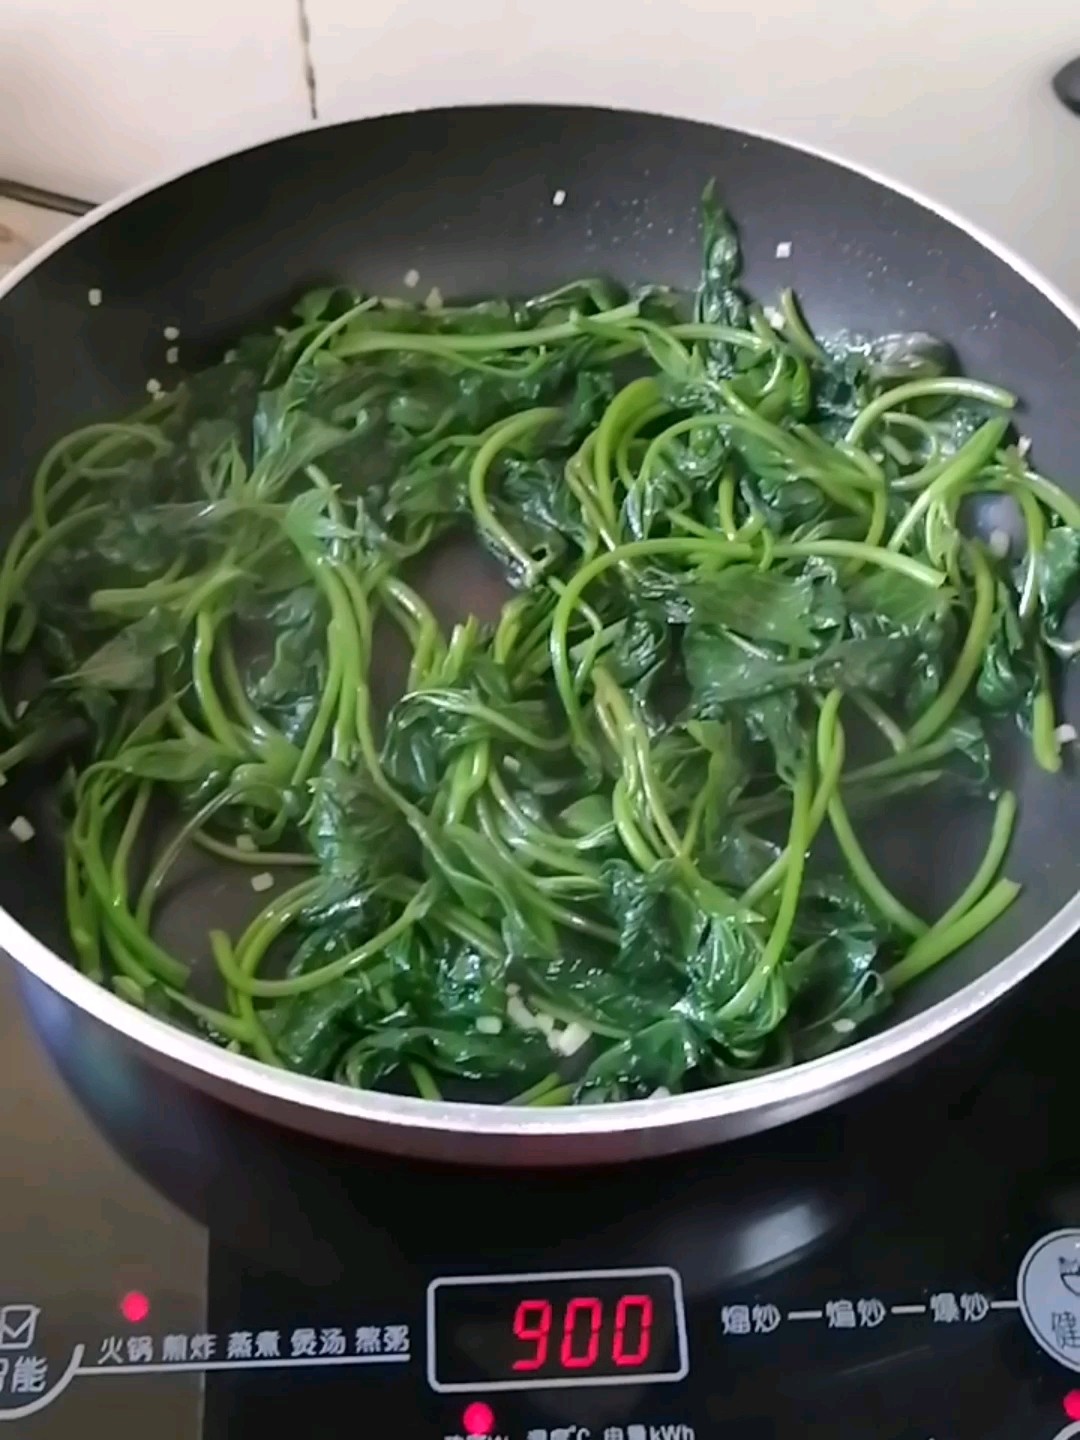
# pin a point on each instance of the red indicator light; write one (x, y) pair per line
(1071, 1404)
(479, 1419)
(135, 1307)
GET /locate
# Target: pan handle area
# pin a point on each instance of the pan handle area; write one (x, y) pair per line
(44, 199)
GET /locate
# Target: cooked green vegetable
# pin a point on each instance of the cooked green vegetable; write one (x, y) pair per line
(570, 847)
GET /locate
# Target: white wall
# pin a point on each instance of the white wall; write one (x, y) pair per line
(97, 94)
(951, 96)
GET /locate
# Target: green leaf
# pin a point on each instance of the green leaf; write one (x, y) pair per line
(426, 729)
(904, 603)
(581, 985)
(286, 439)
(310, 521)
(311, 1030)
(286, 685)
(966, 738)
(590, 815)
(719, 300)
(727, 953)
(739, 857)
(768, 605)
(664, 1054)
(178, 762)
(1008, 677)
(325, 303)
(128, 660)
(639, 907)
(355, 833)
(776, 721)
(1057, 570)
(895, 359)
(722, 670)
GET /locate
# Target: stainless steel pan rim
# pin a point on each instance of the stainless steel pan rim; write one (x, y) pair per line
(786, 1092)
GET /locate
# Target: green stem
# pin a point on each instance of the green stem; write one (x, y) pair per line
(502, 436)
(965, 465)
(238, 971)
(864, 874)
(997, 847)
(202, 672)
(936, 944)
(952, 385)
(252, 1028)
(797, 846)
(969, 660)
(831, 748)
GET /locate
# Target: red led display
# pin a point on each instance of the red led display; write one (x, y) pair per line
(532, 1324)
(563, 1329)
(632, 1310)
(580, 1331)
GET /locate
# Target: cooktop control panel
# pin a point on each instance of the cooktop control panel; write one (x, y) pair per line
(630, 1353)
(906, 1267)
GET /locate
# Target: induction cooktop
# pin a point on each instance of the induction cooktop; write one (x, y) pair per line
(904, 1267)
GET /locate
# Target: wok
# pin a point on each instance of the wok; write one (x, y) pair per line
(465, 197)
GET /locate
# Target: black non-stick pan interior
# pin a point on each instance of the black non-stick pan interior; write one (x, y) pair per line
(467, 199)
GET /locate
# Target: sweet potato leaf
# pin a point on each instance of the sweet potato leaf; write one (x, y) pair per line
(602, 839)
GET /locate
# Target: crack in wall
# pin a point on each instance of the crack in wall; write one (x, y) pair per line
(311, 83)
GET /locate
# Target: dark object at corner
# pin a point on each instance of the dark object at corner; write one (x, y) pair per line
(1067, 85)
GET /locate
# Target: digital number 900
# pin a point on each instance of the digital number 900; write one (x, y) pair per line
(581, 1331)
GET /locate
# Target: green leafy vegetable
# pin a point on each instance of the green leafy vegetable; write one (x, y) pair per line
(556, 827)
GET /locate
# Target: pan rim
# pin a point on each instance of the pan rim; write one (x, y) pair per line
(780, 1090)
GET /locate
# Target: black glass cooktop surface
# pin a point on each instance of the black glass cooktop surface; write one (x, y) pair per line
(905, 1267)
